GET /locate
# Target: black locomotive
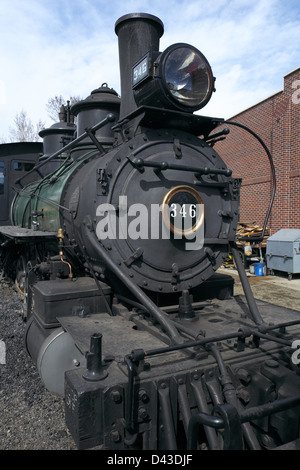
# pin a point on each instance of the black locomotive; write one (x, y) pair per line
(116, 247)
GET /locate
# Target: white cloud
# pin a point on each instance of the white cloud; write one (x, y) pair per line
(69, 47)
(2, 93)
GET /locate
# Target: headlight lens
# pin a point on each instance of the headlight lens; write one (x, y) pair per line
(187, 75)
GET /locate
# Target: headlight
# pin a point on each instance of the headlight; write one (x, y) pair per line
(179, 78)
(187, 75)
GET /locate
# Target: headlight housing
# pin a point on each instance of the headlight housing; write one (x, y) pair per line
(179, 78)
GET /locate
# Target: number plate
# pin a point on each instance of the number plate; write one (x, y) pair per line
(140, 71)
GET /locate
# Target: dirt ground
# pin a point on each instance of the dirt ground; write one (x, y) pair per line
(275, 289)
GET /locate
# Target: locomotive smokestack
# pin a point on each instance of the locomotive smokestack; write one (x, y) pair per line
(138, 33)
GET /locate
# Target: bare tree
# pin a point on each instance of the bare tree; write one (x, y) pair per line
(54, 104)
(24, 130)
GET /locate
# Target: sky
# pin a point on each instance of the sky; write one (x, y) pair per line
(69, 48)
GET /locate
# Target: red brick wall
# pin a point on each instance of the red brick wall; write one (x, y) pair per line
(277, 121)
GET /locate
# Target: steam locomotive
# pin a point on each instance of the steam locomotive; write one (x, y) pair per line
(116, 245)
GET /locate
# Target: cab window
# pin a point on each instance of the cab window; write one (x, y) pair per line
(23, 166)
(1, 177)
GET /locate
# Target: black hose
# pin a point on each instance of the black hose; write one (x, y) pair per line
(242, 126)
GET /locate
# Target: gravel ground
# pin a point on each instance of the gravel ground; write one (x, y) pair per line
(33, 419)
(30, 417)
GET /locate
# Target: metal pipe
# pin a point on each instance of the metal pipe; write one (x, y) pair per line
(129, 421)
(267, 409)
(245, 416)
(109, 118)
(211, 435)
(184, 406)
(273, 172)
(195, 422)
(256, 317)
(139, 163)
(229, 392)
(168, 326)
(167, 418)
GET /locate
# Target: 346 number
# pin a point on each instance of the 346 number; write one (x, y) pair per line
(186, 210)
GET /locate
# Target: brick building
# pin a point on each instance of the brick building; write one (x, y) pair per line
(277, 122)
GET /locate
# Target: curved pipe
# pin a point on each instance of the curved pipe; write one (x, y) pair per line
(242, 126)
(255, 314)
(109, 118)
(136, 291)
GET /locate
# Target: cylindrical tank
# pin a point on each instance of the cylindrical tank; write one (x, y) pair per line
(91, 111)
(54, 352)
(55, 138)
